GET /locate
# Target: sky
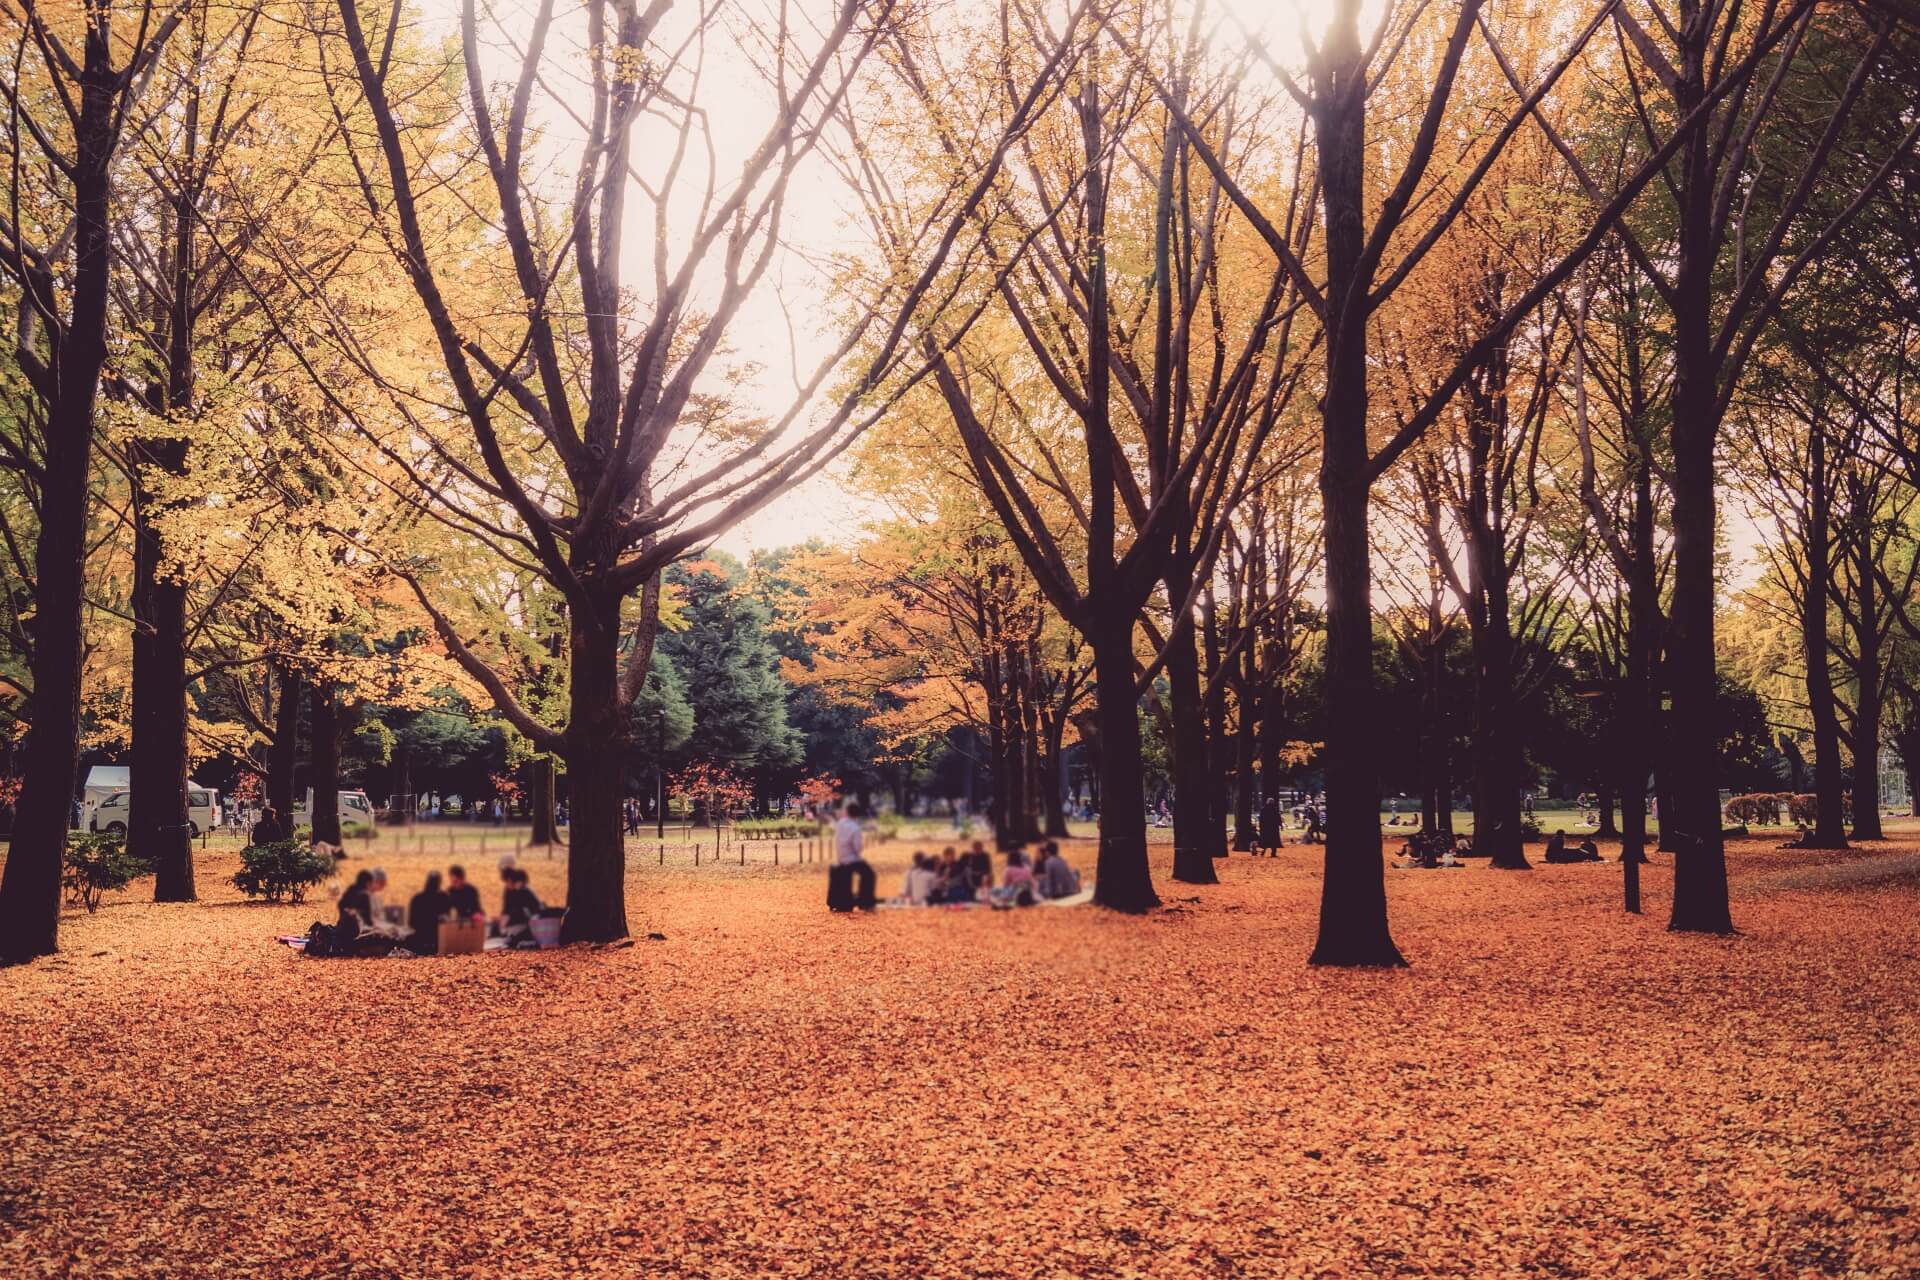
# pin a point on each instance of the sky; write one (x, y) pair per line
(784, 325)
(832, 507)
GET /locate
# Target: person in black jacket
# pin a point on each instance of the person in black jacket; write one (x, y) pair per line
(270, 828)
(461, 896)
(519, 906)
(1270, 838)
(424, 913)
(356, 907)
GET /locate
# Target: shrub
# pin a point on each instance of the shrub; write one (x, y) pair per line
(282, 871)
(357, 831)
(1804, 808)
(95, 864)
(1760, 809)
(887, 826)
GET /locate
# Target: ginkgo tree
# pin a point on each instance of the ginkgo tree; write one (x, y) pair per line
(77, 78)
(585, 425)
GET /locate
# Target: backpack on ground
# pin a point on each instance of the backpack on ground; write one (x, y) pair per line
(323, 940)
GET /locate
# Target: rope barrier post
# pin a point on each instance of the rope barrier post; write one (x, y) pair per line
(663, 855)
(776, 853)
(696, 853)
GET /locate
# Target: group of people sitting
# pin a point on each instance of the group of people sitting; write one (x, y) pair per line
(952, 879)
(955, 878)
(1557, 851)
(364, 909)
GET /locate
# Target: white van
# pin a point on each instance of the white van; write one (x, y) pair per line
(355, 810)
(203, 812)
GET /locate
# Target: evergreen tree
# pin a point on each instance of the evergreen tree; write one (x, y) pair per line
(726, 658)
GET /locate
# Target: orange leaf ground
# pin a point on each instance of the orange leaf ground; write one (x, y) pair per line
(1553, 1089)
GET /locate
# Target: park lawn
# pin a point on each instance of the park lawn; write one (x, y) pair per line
(1554, 1088)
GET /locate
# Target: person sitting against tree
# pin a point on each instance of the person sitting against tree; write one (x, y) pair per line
(463, 897)
(1313, 825)
(1557, 846)
(425, 910)
(1589, 851)
(1056, 879)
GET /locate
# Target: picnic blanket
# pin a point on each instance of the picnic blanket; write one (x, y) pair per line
(298, 942)
(1079, 899)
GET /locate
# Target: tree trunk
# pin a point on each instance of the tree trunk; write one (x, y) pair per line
(1353, 896)
(1353, 893)
(1829, 787)
(323, 710)
(1123, 880)
(1026, 821)
(1053, 780)
(1663, 784)
(403, 783)
(541, 792)
(1692, 755)
(1436, 780)
(157, 805)
(1496, 785)
(999, 808)
(1193, 853)
(1638, 710)
(30, 885)
(1869, 699)
(285, 749)
(1219, 784)
(1272, 731)
(1244, 805)
(1605, 826)
(1866, 766)
(596, 743)
(157, 799)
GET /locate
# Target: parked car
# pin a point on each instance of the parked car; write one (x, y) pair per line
(111, 814)
(356, 811)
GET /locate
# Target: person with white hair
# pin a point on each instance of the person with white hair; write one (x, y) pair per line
(383, 918)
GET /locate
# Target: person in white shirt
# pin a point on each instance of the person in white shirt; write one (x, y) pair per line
(921, 879)
(850, 863)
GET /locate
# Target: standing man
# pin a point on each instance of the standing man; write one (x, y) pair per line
(850, 863)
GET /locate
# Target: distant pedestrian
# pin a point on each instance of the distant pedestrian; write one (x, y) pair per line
(1270, 838)
(851, 882)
